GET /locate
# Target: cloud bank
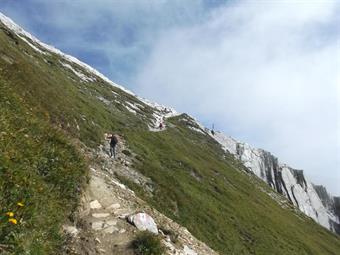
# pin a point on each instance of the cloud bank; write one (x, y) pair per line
(114, 36)
(263, 72)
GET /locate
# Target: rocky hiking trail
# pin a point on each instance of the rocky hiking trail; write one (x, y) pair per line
(101, 223)
(160, 115)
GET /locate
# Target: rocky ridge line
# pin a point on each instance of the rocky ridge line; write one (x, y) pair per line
(311, 199)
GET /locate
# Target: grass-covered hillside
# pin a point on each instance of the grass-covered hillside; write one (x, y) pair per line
(46, 109)
(41, 174)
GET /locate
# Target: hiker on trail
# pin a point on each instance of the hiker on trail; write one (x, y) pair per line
(161, 126)
(113, 142)
(212, 129)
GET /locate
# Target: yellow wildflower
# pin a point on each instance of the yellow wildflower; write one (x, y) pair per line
(10, 214)
(13, 221)
(20, 204)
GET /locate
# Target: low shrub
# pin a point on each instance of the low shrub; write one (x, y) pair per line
(147, 243)
(126, 152)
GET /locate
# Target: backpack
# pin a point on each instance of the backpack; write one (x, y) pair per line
(114, 140)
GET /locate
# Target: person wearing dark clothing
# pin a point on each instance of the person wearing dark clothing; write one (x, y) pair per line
(113, 143)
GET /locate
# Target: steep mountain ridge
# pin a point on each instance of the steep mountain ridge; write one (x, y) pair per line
(312, 200)
(192, 180)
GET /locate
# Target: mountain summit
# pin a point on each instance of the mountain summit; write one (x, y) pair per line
(200, 192)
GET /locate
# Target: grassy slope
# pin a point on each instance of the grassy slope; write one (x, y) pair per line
(39, 168)
(221, 205)
(224, 207)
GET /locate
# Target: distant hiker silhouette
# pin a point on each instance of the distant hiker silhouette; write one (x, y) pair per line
(212, 129)
(113, 143)
(161, 125)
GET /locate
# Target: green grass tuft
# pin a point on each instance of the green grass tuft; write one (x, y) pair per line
(40, 170)
(147, 243)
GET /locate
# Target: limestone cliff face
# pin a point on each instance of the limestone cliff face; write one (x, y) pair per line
(311, 199)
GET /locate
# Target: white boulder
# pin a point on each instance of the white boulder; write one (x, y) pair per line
(143, 222)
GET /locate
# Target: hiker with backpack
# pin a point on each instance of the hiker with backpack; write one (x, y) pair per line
(161, 124)
(113, 143)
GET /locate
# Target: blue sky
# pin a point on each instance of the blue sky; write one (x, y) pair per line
(265, 72)
(113, 36)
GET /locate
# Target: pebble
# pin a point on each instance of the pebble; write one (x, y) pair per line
(111, 222)
(95, 205)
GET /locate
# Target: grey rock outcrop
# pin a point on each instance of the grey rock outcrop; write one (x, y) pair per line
(312, 200)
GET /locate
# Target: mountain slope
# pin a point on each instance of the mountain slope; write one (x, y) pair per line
(192, 179)
(312, 200)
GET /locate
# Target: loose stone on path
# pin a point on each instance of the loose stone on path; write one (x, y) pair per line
(95, 205)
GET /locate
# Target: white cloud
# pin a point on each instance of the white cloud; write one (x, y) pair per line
(122, 31)
(265, 72)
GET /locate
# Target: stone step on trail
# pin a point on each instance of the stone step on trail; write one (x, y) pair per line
(111, 222)
(98, 225)
(102, 225)
(113, 207)
(111, 229)
(100, 215)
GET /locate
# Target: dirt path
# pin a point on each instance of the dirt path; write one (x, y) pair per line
(160, 116)
(101, 226)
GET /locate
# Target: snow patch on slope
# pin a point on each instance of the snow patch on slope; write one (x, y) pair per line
(82, 76)
(197, 130)
(130, 110)
(23, 35)
(161, 112)
(102, 99)
(32, 46)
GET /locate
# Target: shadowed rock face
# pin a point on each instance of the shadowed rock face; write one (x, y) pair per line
(300, 178)
(337, 206)
(326, 199)
(270, 170)
(311, 199)
(332, 203)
